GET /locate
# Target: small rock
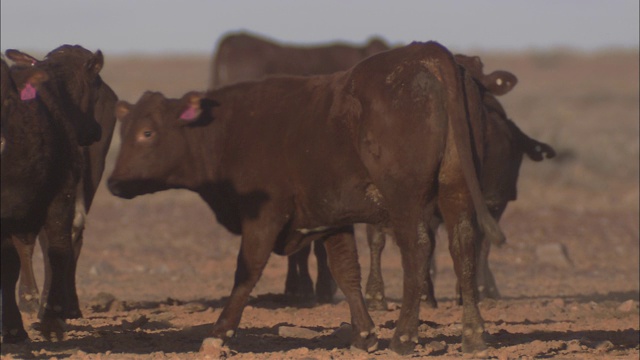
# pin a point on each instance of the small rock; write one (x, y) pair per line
(574, 346)
(101, 268)
(559, 302)
(604, 346)
(195, 307)
(136, 322)
(627, 306)
(344, 332)
(297, 332)
(554, 254)
(102, 302)
(213, 347)
(435, 346)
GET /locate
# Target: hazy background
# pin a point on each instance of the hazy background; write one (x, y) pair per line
(194, 26)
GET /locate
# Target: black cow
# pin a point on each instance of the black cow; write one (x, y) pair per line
(65, 102)
(93, 163)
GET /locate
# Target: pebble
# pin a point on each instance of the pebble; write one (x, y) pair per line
(627, 306)
(102, 302)
(213, 348)
(102, 268)
(297, 332)
(558, 302)
(136, 322)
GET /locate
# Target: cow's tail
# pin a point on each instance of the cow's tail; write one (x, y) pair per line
(459, 109)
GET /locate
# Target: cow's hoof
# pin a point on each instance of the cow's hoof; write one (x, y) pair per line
(52, 325)
(325, 291)
(14, 336)
(403, 345)
(430, 302)
(29, 304)
(214, 347)
(73, 314)
(490, 293)
(365, 340)
(473, 340)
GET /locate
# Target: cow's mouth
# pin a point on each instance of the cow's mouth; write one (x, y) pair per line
(128, 189)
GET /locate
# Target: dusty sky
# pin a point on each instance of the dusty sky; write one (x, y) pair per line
(194, 26)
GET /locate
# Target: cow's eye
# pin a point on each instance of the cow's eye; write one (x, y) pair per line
(147, 133)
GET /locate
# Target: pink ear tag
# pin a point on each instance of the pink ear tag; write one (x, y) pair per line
(28, 93)
(190, 114)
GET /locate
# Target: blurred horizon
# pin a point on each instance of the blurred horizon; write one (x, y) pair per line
(194, 27)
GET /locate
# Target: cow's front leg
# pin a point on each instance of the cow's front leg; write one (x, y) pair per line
(59, 293)
(374, 290)
(343, 262)
(254, 253)
(12, 326)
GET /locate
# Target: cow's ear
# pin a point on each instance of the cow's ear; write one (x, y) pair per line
(95, 64)
(538, 151)
(191, 106)
(499, 82)
(21, 58)
(34, 81)
(123, 108)
(472, 64)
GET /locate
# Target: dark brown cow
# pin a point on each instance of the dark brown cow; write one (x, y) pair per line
(26, 132)
(504, 147)
(93, 163)
(68, 100)
(289, 160)
(242, 56)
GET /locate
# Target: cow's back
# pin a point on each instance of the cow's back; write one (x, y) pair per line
(242, 57)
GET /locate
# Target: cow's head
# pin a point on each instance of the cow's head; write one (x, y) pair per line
(22, 147)
(154, 151)
(498, 82)
(75, 72)
(18, 89)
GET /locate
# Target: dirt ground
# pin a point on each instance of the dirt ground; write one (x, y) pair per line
(155, 271)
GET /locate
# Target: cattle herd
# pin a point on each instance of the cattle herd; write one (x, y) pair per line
(290, 147)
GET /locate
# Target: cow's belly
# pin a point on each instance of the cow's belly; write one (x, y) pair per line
(346, 203)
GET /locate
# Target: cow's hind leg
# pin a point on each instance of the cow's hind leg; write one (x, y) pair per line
(412, 238)
(325, 285)
(12, 326)
(463, 236)
(298, 285)
(343, 262)
(428, 294)
(374, 293)
(28, 293)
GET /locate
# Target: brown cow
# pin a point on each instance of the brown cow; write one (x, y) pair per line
(93, 163)
(68, 100)
(243, 56)
(289, 160)
(504, 146)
